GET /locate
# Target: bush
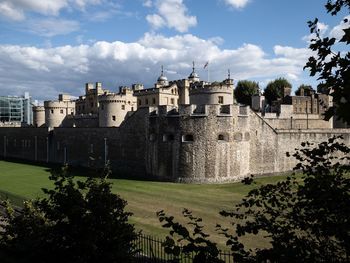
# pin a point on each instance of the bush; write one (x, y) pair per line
(76, 222)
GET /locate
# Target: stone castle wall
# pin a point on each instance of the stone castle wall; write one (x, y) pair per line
(123, 147)
(209, 143)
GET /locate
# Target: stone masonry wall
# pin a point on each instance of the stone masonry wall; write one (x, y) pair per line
(210, 143)
(124, 147)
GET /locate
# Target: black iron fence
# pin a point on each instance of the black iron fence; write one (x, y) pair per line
(152, 251)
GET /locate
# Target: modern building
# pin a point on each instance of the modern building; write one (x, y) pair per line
(16, 111)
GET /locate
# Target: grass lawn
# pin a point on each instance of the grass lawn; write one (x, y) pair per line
(24, 181)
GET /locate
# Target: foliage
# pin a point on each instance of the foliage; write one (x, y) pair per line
(188, 241)
(331, 65)
(307, 89)
(275, 89)
(244, 91)
(76, 222)
(306, 220)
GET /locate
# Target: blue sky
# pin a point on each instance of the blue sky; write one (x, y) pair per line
(54, 46)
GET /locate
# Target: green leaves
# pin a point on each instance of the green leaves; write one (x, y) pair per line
(275, 89)
(332, 66)
(244, 91)
(305, 218)
(79, 221)
(188, 240)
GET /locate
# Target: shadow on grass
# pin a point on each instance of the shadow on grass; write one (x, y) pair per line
(15, 200)
(89, 171)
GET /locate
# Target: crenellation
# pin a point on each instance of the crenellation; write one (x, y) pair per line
(184, 130)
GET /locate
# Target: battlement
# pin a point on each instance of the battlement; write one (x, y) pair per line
(59, 104)
(205, 87)
(83, 116)
(192, 110)
(38, 108)
(112, 98)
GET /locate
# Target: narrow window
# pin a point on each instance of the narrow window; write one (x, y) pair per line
(102, 107)
(172, 101)
(221, 99)
(113, 118)
(152, 137)
(187, 138)
(51, 111)
(123, 107)
(139, 102)
(221, 137)
(61, 111)
(146, 102)
(153, 101)
(132, 108)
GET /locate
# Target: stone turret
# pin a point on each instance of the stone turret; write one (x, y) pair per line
(38, 116)
(193, 77)
(162, 80)
(56, 111)
(212, 93)
(115, 106)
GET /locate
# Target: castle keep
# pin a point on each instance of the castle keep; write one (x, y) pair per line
(185, 130)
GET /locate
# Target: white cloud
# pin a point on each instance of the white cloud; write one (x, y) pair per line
(155, 20)
(16, 9)
(53, 26)
(338, 31)
(45, 72)
(237, 3)
(322, 29)
(7, 10)
(147, 3)
(173, 14)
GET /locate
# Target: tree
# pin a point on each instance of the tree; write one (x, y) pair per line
(275, 89)
(76, 222)
(244, 91)
(332, 62)
(188, 241)
(307, 89)
(305, 220)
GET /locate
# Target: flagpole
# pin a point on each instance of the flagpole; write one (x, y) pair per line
(207, 66)
(208, 72)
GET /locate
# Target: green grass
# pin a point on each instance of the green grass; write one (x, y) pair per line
(23, 181)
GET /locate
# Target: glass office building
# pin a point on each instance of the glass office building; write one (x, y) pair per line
(16, 110)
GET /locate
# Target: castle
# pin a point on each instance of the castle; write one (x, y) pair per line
(184, 130)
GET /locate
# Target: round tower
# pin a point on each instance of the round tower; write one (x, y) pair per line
(114, 107)
(38, 116)
(56, 112)
(202, 93)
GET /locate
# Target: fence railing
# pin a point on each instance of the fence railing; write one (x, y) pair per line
(152, 251)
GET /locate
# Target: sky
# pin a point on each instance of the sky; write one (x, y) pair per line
(49, 47)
